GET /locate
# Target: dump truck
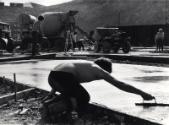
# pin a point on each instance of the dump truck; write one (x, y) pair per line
(53, 27)
(108, 39)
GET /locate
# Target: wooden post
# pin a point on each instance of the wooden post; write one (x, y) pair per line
(15, 85)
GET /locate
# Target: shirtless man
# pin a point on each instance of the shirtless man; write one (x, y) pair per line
(66, 78)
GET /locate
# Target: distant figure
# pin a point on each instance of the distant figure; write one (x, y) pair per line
(80, 44)
(74, 40)
(91, 40)
(159, 40)
(67, 77)
(71, 20)
(36, 35)
(10, 43)
(2, 41)
(0, 33)
(69, 41)
(26, 40)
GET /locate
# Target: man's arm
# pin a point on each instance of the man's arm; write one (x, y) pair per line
(49, 96)
(128, 88)
(125, 87)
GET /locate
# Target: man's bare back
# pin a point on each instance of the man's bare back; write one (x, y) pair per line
(84, 71)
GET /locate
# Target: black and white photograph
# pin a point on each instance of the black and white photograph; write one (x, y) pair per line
(84, 62)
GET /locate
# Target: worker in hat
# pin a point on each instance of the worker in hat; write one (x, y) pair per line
(159, 40)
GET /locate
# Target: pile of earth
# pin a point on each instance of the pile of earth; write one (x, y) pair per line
(7, 86)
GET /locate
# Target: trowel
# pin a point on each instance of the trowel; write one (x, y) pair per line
(148, 104)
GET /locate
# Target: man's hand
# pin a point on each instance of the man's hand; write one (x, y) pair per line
(146, 96)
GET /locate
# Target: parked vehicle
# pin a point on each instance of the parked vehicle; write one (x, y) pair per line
(108, 39)
(25, 24)
(6, 42)
(53, 28)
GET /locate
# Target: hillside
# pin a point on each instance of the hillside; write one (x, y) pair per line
(93, 13)
(9, 14)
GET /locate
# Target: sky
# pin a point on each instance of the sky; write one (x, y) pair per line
(42, 2)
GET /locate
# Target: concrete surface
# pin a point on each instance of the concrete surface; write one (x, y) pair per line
(152, 79)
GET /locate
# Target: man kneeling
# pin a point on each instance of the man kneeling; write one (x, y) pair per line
(67, 77)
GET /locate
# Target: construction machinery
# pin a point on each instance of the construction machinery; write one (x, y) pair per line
(53, 27)
(25, 24)
(6, 42)
(108, 39)
(4, 28)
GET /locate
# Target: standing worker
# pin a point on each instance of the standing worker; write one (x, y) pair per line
(69, 42)
(159, 40)
(10, 43)
(80, 44)
(74, 40)
(71, 20)
(36, 34)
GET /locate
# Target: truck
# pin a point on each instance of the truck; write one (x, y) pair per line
(53, 27)
(24, 27)
(6, 42)
(111, 38)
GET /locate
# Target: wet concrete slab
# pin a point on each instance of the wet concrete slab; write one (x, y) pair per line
(151, 79)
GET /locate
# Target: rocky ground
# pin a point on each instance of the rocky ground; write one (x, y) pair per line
(22, 111)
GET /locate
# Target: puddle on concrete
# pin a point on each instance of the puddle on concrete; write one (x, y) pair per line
(151, 71)
(151, 79)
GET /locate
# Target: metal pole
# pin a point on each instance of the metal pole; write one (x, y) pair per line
(14, 75)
